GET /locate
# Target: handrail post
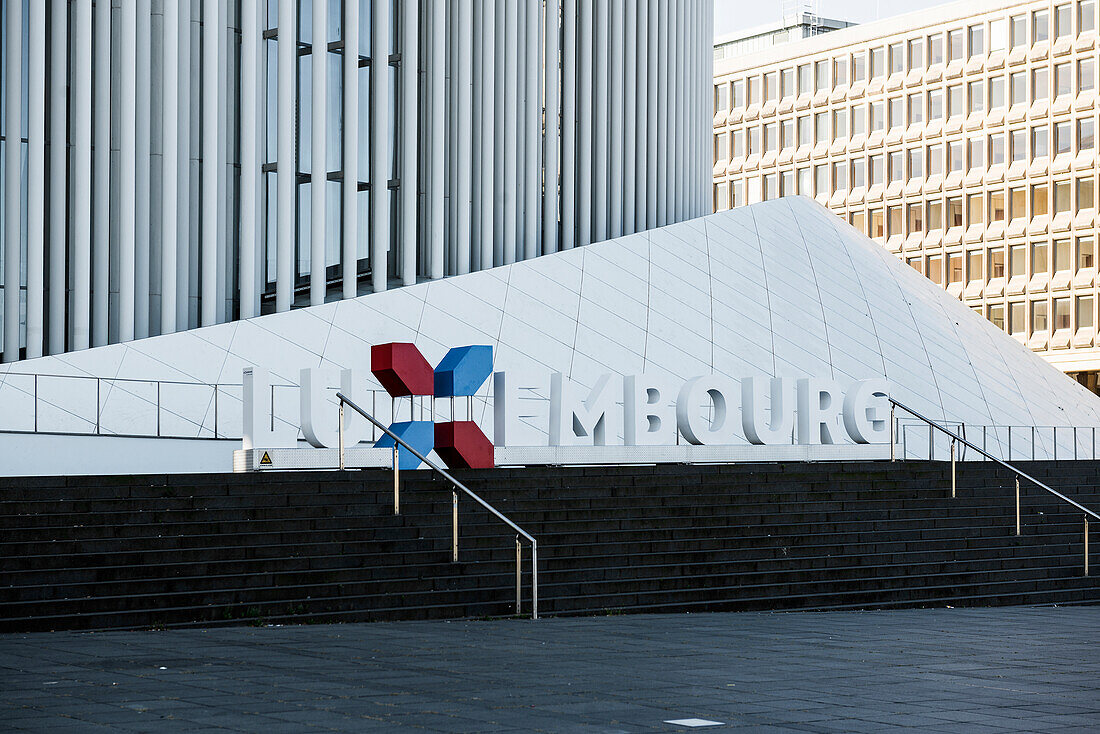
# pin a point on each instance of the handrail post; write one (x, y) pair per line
(35, 401)
(1033, 443)
(454, 527)
(97, 403)
(519, 559)
(892, 430)
(931, 442)
(341, 435)
(1009, 457)
(396, 481)
(216, 410)
(952, 468)
(1086, 545)
(158, 409)
(1054, 430)
(534, 579)
(1017, 505)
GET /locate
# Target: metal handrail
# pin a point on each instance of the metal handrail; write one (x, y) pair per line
(520, 532)
(1019, 474)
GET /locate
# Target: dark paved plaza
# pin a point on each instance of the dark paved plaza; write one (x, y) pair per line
(966, 670)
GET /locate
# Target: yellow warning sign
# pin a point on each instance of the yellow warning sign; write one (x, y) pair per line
(265, 460)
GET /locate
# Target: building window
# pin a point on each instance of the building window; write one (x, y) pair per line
(1084, 312)
(1017, 31)
(878, 117)
(721, 197)
(1063, 80)
(1039, 317)
(721, 148)
(721, 98)
(935, 104)
(975, 153)
(1086, 75)
(753, 96)
(771, 86)
(821, 127)
(977, 97)
(1086, 192)
(1040, 84)
(738, 143)
(998, 35)
(1017, 261)
(738, 193)
(1017, 318)
(786, 134)
(1063, 138)
(821, 180)
(996, 92)
(916, 108)
(916, 54)
(916, 218)
(914, 262)
(974, 209)
(1040, 26)
(878, 67)
(771, 186)
(974, 270)
(786, 83)
(916, 161)
(1019, 145)
(935, 160)
(996, 149)
(1039, 196)
(840, 123)
(995, 312)
(857, 169)
(956, 104)
(804, 80)
(739, 93)
(897, 58)
(954, 211)
(1017, 203)
(955, 43)
(1063, 26)
(897, 113)
(935, 49)
(1039, 143)
(1086, 138)
(876, 224)
(1040, 258)
(954, 156)
(955, 267)
(840, 175)
(1085, 253)
(935, 269)
(977, 40)
(1017, 87)
(858, 221)
(840, 71)
(894, 224)
(1086, 16)
(876, 170)
(859, 119)
(803, 175)
(821, 76)
(805, 132)
(996, 257)
(897, 167)
(1062, 262)
(997, 206)
(935, 214)
(859, 67)
(771, 137)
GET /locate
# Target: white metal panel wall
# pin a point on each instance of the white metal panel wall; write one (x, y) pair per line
(562, 115)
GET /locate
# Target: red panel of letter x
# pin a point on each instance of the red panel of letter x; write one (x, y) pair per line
(402, 369)
(462, 445)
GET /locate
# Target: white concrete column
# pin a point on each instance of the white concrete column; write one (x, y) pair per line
(170, 134)
(436, 193)
(641, 116)
(601, 195)
(550, 150)
(141, 177)
(59, 122)
(452, 141)
(664, 112)
(319, 151)
(532, 174)
(464, 135)
(211, 132)
(81, 229)
(380, 144)
(488, 144)
(499, 84)
(630, 117)
(569, 124)
(680, 83)
(286, 166)
(478, 30)
(250, 160)
(653, 112)
(101, 197)
(511, 129)
(36, 170)
(410, 127)
(188, 195)
(127, 171)
(349, 257)
(584, 122)
(13, 90)
(617, 131)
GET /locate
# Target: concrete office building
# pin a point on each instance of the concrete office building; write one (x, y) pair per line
(962, 138)
(188, 163)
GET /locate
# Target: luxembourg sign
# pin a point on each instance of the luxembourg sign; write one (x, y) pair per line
(552, 410)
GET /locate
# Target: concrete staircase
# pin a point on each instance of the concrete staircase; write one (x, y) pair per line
(157, 551)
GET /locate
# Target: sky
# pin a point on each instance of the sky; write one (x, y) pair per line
(736, 15)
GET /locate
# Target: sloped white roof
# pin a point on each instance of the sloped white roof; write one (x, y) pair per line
(781, 288)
